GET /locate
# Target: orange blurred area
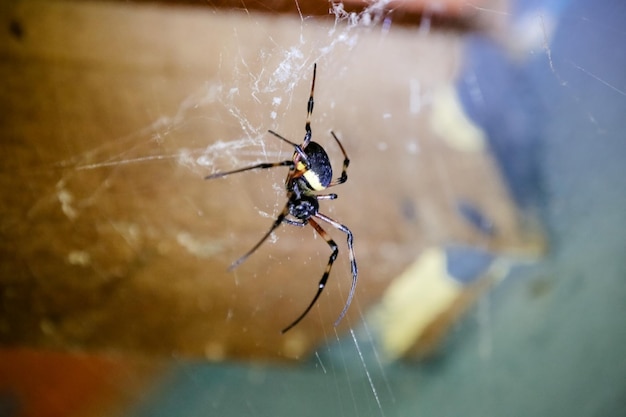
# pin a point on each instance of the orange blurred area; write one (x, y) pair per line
(52, 384)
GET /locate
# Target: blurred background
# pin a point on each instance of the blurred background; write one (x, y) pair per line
(486, 195)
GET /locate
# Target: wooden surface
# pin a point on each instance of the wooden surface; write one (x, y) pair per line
(112, 114)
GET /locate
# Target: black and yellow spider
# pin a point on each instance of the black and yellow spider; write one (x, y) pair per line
(310, 171)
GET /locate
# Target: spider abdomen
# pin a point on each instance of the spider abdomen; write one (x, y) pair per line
(319, 172)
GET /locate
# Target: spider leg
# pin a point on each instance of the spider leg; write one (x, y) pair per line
(309, 111)
(326, 196)
(346, 162)
(263, 165)
(322, 282)
(297, 147)
(353, 266)
(277, 222)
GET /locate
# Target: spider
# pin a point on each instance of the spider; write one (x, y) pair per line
(310, 172)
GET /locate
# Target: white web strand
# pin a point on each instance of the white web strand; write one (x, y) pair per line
(367, 372)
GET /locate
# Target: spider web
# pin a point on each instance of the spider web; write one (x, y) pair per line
(532, 337)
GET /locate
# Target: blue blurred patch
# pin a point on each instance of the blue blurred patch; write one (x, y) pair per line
(501, 97)
(466, 264)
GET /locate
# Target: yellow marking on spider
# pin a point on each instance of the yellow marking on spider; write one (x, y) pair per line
(314, 180)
